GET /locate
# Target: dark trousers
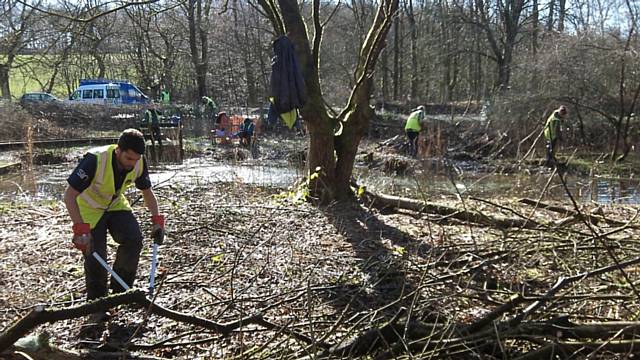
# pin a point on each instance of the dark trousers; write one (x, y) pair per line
(156, 134)
(245, 138)
(551, 148)
(124, 229)
(413, 142)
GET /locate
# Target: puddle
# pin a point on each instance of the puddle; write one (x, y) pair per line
(49, 182)
(204, 171)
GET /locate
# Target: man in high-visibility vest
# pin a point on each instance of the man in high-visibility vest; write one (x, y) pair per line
(412, 128)
(210, 109)
(553, 132)
(165, 97)
(152, 120)
(96, 203)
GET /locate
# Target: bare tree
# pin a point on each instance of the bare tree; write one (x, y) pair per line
(198, 14)
(16, 21)
(628, 100)
(414, 75)
(332, 153)
(501, 23)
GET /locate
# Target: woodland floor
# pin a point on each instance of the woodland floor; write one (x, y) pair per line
(324, 276)
(328, 273)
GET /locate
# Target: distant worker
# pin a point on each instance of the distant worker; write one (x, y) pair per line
(413, 127)
(245, 134)
(210, 109)
(152, 119)
(96, 203)
(553, 133)
(165, 97)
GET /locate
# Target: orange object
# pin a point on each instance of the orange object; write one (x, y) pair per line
(227, 127)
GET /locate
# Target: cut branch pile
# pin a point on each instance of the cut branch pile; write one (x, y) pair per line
(252, 276)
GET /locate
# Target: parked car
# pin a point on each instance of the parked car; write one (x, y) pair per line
(32, 98)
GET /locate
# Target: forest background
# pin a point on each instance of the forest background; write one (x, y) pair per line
(516, 58)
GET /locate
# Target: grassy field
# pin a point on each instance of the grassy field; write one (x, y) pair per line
(31, 73)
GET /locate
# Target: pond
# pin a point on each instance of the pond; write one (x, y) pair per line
(48, 182)
(431, 186)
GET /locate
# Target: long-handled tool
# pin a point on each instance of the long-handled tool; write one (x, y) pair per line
(157, 241)
(108, 268)
(154, 266)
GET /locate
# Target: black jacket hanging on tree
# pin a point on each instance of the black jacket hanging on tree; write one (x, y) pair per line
(287, 85)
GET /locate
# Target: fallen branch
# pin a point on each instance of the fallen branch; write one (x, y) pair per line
(594, 219)
(564, 281)
(389, 201)
(39, 315)
(549, 351)
(370, 340)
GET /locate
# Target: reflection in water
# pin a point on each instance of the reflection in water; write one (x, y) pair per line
(48, 182)
(431, 185)
(604, 191)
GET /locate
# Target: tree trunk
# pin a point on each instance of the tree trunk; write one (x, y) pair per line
(396, 59)
(503, 75)
(4, 81)
(562, 12)
(385, 76)
(552, 4)
(535, 27)
(616, 142)
(414, 77)
(252, 97)
(332, 155)
(476, 58)
(346, 145)
(198, 34)
(395, 202)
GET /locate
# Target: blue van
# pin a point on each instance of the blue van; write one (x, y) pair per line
(105, 91)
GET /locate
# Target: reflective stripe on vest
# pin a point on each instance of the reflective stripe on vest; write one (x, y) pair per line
(101, 196)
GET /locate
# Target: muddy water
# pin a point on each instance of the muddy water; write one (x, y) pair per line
(48, 182)
(432, 186)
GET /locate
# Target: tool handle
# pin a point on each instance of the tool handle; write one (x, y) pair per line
(154, 265)
(108, 268)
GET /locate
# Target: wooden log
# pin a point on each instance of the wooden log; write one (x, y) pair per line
(390, 201)
(594, 219)
(39, 315)
(9, 168)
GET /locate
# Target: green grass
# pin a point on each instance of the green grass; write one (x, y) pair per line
(31, 71)
(28, 75)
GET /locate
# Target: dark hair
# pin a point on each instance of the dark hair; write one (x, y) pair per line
(131, 139)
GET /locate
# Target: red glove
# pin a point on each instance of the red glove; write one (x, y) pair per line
(82, 237)
(157, 230)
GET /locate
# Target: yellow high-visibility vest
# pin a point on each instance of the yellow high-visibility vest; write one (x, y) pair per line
(101, 195)
(551, 127)
(413, 122)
